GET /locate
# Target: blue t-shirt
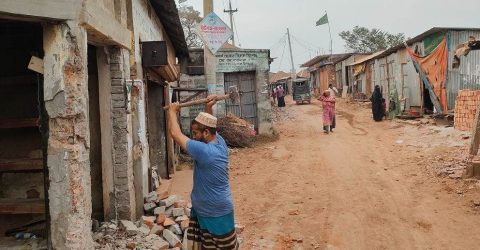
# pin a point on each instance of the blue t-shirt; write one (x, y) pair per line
(211, 196)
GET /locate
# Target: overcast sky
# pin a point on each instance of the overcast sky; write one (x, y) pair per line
(262, 23)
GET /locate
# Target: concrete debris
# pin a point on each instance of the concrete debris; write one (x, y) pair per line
(151, 197)
(131, 245)
(144, 230)
(181, 218)
(175, 228)
(239, 228)
(184, 224)
(178, 212)
(129, 227)
(148, 207)
(159, 210)
(168, 222)
(157, 229)
(171, 238)
(169, 211)
(162, 227)
(280, 115)
(160, 244)
(170, 200)
(188, 211)
(180, 204)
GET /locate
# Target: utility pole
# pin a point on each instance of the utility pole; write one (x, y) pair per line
(291, 54)
(207, 7)
(230, 12)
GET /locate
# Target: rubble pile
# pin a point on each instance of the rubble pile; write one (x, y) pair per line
(452, 165)
(162, 227)
(282, 114)
(236, 131)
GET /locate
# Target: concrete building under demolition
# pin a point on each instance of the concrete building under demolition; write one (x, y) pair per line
(82, 129)
(246, 69)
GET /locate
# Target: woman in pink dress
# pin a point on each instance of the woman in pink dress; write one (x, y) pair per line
(328, 104)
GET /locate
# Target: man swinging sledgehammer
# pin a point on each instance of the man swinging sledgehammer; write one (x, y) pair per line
(212, 224)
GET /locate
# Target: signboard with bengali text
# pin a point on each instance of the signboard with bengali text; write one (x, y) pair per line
(213, 32)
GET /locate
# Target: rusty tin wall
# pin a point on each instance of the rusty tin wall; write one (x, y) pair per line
(467, 76)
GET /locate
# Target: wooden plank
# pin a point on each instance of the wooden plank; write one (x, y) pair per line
(36, 64)
(21, 165)
(18, 123)
(190, 89)
(22, 206)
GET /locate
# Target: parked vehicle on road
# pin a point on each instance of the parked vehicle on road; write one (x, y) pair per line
(301, 90)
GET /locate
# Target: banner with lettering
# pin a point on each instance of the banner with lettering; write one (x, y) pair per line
(213, 32)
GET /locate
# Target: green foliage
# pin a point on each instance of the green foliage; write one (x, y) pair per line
(363, 40)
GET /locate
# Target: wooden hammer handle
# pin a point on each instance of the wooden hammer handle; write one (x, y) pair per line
(199, 101)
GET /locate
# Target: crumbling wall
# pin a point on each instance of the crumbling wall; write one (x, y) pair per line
(187, 114)
(243, 60)
(264, 106)
(66, 101)
(124, 191)
(146, 26)
(466, 106)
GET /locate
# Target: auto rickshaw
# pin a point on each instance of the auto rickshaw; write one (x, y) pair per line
(301, 90)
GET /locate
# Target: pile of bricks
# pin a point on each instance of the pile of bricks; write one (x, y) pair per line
(465, 109)
(162, 227)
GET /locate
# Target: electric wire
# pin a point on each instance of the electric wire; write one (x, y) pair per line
(237, 36)
(281, 58)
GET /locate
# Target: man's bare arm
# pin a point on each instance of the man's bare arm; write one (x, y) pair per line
(174, 127)
(209, 106)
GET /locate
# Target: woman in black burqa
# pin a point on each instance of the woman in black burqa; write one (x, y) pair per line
(377, 107)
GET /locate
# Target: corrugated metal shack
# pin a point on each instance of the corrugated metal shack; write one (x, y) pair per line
(323, 71)
(331, 69)
(393, 70)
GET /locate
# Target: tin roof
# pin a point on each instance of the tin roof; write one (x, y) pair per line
(367, 58)
(167, 12)
(416, 39)
(279, 76)
(304, 73)
(329, 59)
(436, 30)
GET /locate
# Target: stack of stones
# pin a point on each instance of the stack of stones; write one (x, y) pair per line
(166, 217)
(162, 227)
(465, 109)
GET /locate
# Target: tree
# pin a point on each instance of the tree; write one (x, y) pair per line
(363, 40)
(189, 18)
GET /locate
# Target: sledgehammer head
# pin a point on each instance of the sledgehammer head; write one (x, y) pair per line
(233, 94)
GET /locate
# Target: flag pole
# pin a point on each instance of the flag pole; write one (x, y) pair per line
(331, 42)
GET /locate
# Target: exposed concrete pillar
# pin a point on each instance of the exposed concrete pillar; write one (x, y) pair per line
(264, 107)
(66, 101)
(122, 135)
(141, 160)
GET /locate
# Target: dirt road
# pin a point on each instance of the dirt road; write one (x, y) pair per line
(353, 189)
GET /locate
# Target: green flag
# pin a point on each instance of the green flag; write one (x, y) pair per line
(322, 20)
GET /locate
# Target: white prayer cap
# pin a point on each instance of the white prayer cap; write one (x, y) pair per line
(206, 120)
